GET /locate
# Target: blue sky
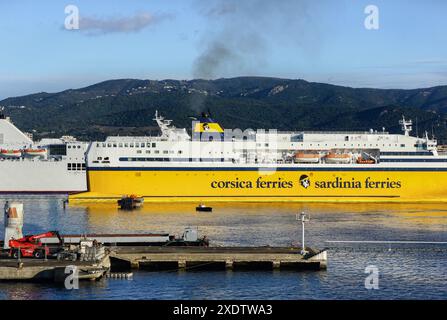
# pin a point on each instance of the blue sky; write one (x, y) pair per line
(323, 41)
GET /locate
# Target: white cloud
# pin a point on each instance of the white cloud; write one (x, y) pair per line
(100, 26)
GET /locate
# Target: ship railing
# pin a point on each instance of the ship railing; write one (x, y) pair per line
(346, 132)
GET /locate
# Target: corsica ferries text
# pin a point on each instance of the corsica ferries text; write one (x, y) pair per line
(305, 182)
(259, 183)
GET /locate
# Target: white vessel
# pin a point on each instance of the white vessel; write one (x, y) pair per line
(47, 166)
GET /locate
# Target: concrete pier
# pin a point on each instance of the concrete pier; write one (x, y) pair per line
(224, 258)
(50, 270)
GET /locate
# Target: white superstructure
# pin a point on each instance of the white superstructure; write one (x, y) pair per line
(47, 166)
(262, 147)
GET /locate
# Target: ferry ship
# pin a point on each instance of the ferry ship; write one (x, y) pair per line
(46, 166)
(212, 164)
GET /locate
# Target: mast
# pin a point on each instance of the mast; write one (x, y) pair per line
(407, 126)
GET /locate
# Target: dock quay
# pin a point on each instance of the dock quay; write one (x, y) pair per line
(51, 270)
(217, 258)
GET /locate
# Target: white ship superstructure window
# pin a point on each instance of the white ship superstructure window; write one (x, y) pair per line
(76, 166)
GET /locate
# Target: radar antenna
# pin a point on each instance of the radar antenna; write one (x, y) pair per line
(164, 124)
(407, 126)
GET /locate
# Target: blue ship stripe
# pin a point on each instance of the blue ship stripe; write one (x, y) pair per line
(413, 160)
(360, 169)
(255, 196)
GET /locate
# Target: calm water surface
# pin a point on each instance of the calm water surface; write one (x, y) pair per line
(405, 271)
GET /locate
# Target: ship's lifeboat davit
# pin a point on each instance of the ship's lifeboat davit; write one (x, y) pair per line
(338, 158)
(301, 157)
(10, 153)
(35, 152)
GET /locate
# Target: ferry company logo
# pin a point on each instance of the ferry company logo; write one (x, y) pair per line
(305, 181)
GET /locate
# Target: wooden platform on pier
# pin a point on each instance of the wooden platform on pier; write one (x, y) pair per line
(220, 258)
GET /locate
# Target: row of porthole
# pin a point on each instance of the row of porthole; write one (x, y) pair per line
(126, 145)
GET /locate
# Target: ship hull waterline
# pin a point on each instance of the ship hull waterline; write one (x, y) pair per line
(297, 185)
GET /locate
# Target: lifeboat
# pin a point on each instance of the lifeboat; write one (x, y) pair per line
(35, 152)
(10, 153)
(338, 158)
(360, 160)
(301, 157)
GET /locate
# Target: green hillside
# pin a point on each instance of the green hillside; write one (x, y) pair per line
(127, 106)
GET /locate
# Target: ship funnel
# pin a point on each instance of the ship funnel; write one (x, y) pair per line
(206, 124)
(13, 222)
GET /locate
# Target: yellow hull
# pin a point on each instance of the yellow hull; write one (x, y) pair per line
(273, 186)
